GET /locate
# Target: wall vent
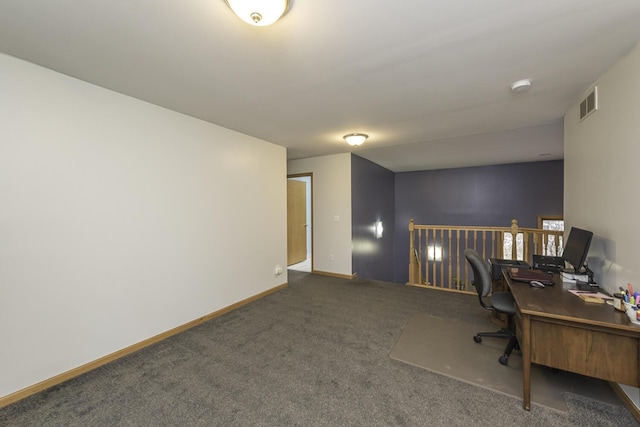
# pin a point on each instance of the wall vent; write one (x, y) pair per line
(589, 104)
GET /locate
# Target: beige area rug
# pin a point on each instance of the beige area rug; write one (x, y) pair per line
(446, 346)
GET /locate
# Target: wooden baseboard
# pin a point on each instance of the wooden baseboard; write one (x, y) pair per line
(628, 403)
(65, 376)
(340, 276)
(438, 288)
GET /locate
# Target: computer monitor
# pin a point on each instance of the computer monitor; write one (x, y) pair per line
(576, 248)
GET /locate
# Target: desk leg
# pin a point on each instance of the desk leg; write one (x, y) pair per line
(525, 347)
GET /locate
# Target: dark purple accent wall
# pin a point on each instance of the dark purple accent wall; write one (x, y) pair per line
(372, 199)
(483, 196)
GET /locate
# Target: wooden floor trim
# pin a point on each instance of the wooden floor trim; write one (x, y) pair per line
(65, 376)
(628, 403)
(438, 288)
(340, 276)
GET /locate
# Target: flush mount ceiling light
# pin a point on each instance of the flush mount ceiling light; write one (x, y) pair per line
(355, 139)
(520, 85)
(258, 12)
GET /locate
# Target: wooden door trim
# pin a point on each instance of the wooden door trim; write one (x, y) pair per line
(310, 175)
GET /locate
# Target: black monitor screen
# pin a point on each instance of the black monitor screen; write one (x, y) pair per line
(577, 247)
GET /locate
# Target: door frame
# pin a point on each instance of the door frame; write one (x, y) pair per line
(309, 209)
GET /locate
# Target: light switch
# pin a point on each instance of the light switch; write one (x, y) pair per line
(336, 218)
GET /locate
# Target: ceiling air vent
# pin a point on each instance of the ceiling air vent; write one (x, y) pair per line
(589, 104)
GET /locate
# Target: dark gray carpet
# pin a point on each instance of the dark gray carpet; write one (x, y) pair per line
(315, 354)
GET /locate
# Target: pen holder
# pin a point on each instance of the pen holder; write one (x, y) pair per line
(619, 304)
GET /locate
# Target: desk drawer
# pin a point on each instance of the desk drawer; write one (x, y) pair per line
(598, 354)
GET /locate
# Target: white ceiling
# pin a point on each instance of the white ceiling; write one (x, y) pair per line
(428, 80)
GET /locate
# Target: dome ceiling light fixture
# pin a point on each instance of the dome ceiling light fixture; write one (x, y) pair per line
(259, 13)
(355, 139)
(521, 85)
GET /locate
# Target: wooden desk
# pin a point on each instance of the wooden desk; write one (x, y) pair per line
(556, 328)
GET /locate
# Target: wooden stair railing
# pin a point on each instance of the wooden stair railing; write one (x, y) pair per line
(436, 252)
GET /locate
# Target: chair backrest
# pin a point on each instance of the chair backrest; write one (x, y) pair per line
(481, 274)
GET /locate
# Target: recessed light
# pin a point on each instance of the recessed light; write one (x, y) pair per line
(520, 85)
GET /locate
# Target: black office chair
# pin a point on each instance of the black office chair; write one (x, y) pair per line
(501, 302)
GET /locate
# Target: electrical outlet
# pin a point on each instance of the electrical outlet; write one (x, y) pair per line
(278, 270)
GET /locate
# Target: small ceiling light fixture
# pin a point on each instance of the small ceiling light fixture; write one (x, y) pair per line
(520, 85)
(259, 13)
(355, 139)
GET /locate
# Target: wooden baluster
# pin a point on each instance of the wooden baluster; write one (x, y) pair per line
(466, 265)
(449, 256)
(426, 256)
(424, 242)
(420, 277)
(493, 244)
(432, 265)
(440, 240)
(458, 258)
(484, 244)
(432, 237)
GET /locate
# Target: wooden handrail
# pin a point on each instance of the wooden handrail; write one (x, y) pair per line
(436, 252)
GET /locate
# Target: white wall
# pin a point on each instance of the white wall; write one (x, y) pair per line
(602, 191)
(120, 220)
(601, 178)
(331, 199)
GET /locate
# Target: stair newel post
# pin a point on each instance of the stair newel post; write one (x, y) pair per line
(514, 236)
(413, 267)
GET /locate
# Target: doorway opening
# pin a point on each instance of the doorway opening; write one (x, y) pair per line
(300, 222)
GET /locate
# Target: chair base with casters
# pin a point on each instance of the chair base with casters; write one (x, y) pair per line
(501, 302)
(502, 333)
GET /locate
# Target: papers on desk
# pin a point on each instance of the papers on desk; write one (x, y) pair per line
(593, 297)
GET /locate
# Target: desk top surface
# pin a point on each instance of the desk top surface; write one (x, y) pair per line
(557, 302)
